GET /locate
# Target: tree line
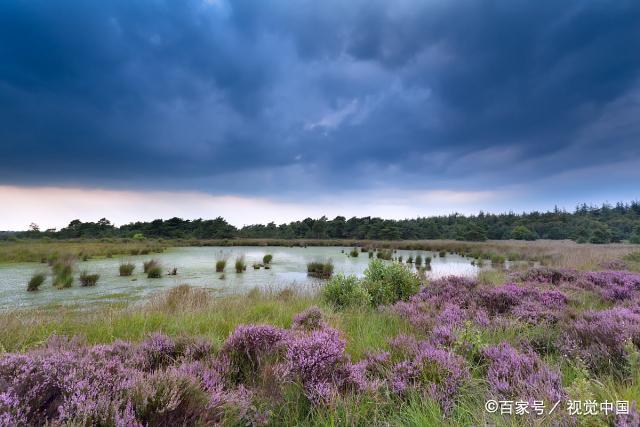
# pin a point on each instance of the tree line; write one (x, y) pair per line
(592, 224)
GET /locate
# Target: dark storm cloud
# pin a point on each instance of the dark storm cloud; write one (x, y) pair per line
(252, 96)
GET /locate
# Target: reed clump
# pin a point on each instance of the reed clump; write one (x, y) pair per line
(36, 281)
(87, 279)
(320, 269)
(126, 269)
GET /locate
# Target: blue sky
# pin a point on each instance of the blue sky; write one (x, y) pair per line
(269, 110)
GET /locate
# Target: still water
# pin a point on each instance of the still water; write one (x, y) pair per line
(196, 267)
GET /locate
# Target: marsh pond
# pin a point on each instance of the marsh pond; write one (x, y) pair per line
(196, 266)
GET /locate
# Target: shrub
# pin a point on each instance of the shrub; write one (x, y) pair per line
(169, 398)
(599, 337)
(267, 259)
(354, 253)
(521, 376)
(36, 281)
(370, 254)
(220, 265)
(256, 266)
(389, 283)
(385, 254)
(410, 259)
(148, 265)
(309, 320)
(418, 260)
(241, 265)
(442, 254)
(248, 347)
(138, 236)
(317, 362)
(126, 269)
(87, 279)
(320, 269)
(345, 291)
(154, 272)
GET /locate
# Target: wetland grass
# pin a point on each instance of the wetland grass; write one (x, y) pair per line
(126, 269)
(240, 264)
(36, 281)
(87, 279)
(320, 269)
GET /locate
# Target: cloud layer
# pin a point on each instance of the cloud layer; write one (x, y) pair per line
(282, 99)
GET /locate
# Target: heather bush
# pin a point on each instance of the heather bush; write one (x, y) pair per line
(438, 373)
(320, 269)
(87, 279)
(36, 281)
(547, 275)
(389, 283)
(126, 269)
(524, 376)
(598, 338)
(169, 398)
(248, 348)
(317, 361)
(309, 320)
(345, 291)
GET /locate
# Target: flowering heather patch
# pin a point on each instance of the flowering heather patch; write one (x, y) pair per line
(599, 337)
(249, 346)
(546, 275)
(520, 376)
(614, 285)
(318, 362)
(437, 373)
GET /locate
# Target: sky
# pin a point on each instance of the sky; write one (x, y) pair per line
(277, 110)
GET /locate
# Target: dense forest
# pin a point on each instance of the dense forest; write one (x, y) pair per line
(601, 224)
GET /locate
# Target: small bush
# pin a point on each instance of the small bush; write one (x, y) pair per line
(389, 283)
(154, 272)
(320, 269)
(370, 254)
(241, 265)
(354, 253)
(87, 279)
(257, 265)
(126, 269)
(267, 259)
(36, 281)
(385, 254)
(409, 259)
(220, 265)
(418, 260)
(148, 265)
(345, 291)
(442, 254)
